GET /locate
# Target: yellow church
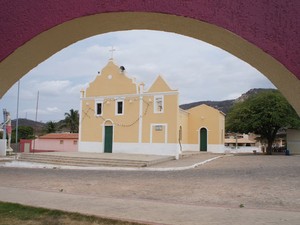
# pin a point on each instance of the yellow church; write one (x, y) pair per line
(117, 115)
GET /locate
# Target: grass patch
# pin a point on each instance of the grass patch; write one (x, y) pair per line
(15, 214)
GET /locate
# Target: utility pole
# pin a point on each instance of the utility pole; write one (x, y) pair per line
(36, 116)
(17, 121)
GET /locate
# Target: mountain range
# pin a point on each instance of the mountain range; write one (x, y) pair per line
(224, 106)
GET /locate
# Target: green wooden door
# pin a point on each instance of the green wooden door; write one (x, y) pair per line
(108, 139)
(203, 139)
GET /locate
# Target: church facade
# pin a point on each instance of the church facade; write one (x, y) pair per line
(118, 116)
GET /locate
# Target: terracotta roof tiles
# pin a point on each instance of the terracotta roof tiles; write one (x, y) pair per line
(60, 136)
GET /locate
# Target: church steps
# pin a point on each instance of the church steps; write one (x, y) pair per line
(83, 164)
(38, 156)
(80, 161)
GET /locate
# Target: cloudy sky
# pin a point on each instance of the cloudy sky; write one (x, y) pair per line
(198, 70)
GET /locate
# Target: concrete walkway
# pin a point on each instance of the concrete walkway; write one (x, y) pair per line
(147, 211)
(188, 160)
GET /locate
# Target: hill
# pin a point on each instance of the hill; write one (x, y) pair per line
(224, 106)
(38, 126)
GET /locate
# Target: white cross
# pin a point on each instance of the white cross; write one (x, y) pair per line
(112, 52)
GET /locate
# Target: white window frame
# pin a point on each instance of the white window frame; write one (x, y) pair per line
(155, 103)
(116, 107)
(152, 128)
(96, 107)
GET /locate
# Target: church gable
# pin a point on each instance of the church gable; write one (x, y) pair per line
(112, 81)
(205, 109)
(160, 85)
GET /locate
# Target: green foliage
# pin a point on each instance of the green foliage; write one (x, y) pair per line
(50, 127)
(72, 121)
(264, 114)
(24, 132)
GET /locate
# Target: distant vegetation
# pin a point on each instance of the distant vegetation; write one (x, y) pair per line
(224, 106)
(28, 129)
(71, 121)
(263, 113)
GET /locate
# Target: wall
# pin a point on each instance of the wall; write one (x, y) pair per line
(241, 149)
(50, 145)
(136, 127)
(2, 147)
(108, 87)
(293, 141)
(168, 117)
(263, 33)
(55, 145)
(206, 117)
(183, 121)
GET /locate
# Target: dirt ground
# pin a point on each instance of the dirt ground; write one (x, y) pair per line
(250, 181)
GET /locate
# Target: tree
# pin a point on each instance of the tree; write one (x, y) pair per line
(50, 127)
(264, 114)
(72, 121)
(24, 132)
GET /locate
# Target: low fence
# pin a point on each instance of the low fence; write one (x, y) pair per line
(242, 149)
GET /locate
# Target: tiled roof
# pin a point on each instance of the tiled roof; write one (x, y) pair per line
(60, 136)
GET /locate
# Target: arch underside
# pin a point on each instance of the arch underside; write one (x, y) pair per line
(49, 42)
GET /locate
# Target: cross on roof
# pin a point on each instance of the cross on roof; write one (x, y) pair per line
(112, 52)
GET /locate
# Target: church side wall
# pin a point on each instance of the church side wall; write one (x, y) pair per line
(221, 128)
(183, 121)
(206, 117)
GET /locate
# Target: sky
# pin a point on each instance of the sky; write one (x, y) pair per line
(197, 69)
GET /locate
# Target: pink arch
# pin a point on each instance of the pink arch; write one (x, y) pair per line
(273, 26)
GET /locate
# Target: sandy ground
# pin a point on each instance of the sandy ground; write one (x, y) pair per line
(250, 181)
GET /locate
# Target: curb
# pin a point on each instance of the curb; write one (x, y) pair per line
(48, 166)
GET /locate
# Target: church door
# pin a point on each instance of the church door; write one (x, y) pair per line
(203, 139)
(108, 139)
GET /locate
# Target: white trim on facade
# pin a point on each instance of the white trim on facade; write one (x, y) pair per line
(156, 102)
(116, 107)
(147, 148)
(86, 146)
(133, 148)
(124, 96)
(159, 124)
(98, 101)
(140, 120)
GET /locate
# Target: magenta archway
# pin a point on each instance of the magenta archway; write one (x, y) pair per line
(272, 26)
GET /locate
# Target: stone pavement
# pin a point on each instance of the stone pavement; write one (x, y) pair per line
(164, 210)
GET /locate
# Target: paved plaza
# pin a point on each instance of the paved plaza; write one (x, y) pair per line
(231, 189)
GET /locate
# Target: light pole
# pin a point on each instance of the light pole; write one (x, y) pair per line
(17, 121)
